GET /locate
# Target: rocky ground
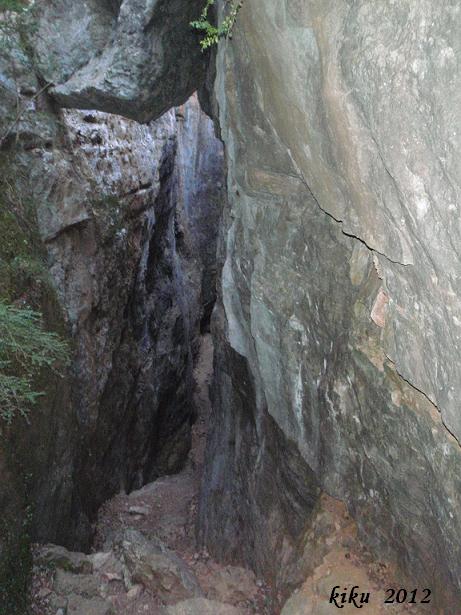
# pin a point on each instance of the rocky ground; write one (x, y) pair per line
(145, 559)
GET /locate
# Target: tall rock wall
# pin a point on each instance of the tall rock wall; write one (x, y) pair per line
(338, 328)
(106, 212)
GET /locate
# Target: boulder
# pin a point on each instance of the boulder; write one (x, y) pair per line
(158, 569)
(86, 585)
(109, 567)
(77, 605)
(231, 584)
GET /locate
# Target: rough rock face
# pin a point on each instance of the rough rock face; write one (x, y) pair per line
(130, 57)
(200, 177)
(126, 274)
(339, 327)
(153, 565)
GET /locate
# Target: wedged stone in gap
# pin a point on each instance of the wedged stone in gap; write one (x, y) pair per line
(60, 557)
(154, 566)
(66, 583)
(202, 606)
(136, 58)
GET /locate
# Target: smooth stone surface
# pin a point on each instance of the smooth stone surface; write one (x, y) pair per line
(339, 324)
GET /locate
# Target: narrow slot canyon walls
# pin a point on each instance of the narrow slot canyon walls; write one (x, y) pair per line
(338, 332)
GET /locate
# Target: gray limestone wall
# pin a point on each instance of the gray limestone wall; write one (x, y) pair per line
(116, 221)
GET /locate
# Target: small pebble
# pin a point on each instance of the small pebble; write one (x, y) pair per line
(134, 592)
(139, 510)
(113, 576)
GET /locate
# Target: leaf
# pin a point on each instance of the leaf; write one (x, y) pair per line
(25, 348)
(214, 33)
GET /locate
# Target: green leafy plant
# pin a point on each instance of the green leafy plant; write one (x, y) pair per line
(212, 33)
(25, 348)
(11, 11)
(13, 5)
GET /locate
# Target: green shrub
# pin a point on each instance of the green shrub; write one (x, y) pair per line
(25, 348)
(28, 352)
(15, 6)
(14, 17)
(12, 10)
(212, 33)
